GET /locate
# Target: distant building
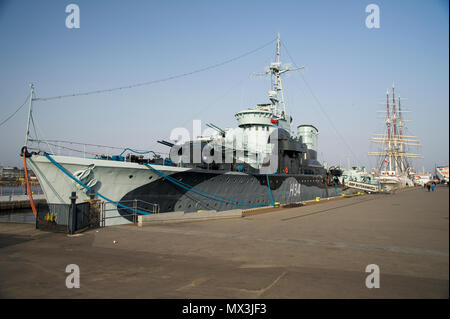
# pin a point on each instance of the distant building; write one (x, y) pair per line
(14, 173)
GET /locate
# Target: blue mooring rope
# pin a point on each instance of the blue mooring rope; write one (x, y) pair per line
(270, 191)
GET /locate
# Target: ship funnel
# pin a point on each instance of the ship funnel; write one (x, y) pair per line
(309, 135)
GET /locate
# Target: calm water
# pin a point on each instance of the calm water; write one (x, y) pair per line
(17, 216)
(13, 190)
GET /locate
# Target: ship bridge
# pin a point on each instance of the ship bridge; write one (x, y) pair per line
(261, 116)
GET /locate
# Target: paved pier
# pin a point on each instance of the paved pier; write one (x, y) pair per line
(317, 251)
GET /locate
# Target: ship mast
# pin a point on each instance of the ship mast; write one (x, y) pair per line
(388, 127)
(276, 95)
(404, 162)
(393, 141)
(27, 133)
(397, 137)
(278, 85)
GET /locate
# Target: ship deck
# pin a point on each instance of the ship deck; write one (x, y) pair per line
(315, 251)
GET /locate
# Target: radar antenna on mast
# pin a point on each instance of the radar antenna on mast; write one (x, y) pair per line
(276, 95)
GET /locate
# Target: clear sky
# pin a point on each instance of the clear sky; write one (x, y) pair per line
(348, 66)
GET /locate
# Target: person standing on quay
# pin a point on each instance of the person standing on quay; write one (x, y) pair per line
(428, 186)
(433, 186)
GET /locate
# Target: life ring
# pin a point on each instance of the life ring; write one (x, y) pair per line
(286, 170)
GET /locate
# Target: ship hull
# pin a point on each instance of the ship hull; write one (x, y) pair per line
(393, 182)
(124, 182)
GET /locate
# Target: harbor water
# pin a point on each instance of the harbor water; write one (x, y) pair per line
(17, 216)
(18, 190)
(25, 215)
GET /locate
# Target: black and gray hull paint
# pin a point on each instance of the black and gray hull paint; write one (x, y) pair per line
(250, 191)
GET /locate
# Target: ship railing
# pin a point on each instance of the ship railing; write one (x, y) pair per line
(84, 150)
(135, 206)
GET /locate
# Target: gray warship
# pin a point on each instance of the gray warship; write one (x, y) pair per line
(261, 162)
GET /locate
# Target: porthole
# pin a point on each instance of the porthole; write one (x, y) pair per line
(131, 176)
(150, 177)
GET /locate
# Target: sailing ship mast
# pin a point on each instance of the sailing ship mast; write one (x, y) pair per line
(394, 156)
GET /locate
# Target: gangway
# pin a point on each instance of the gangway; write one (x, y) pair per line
(363, 186)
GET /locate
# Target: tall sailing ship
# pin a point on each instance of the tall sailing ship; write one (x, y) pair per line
(393, 159)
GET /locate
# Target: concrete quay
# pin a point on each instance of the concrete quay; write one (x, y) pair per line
(14, 202)
(314, 251)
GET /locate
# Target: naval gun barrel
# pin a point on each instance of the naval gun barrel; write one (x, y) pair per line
(215, 127)
(166, 143)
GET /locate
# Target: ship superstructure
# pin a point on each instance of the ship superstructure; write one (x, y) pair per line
(249, 146)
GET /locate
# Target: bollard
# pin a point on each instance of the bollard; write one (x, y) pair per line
(73, 200)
